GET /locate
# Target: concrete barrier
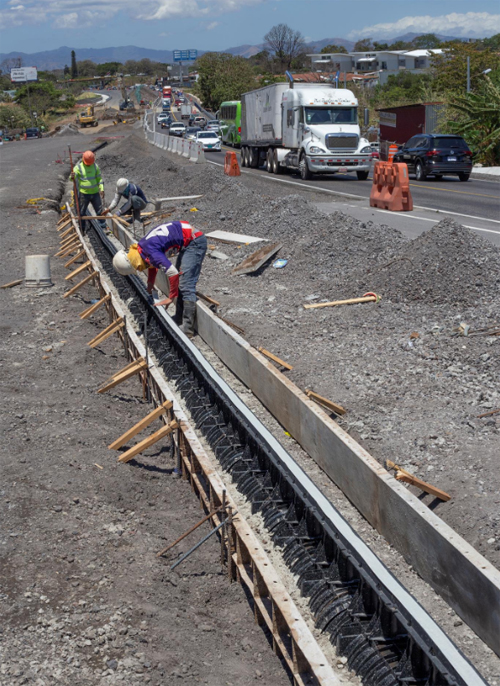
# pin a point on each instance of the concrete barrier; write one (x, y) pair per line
(185, 148)
(463, 577)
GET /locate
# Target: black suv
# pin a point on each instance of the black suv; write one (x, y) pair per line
(436, 154)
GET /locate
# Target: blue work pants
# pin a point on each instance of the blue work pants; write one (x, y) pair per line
(189, 264)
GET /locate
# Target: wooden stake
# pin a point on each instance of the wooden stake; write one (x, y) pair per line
(108, 331)
(147, 442)
(143, 424)
(403, 475)
(80, 284)
(352, 301)
(67, 233)
(338, 409)
(127, 373)
(11, 284)
(274, 358)
(189, 531)
(78, 270)
(479, 416)
(63, 218)
(94, 307)
(64, 224)
(68, 244)
(207, 299)
(69, 249)
(74, 258)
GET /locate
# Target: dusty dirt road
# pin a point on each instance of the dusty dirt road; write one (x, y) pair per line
(83, 598)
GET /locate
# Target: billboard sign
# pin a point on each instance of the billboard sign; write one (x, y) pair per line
(185, 55)
(388, 119)
(23, 74)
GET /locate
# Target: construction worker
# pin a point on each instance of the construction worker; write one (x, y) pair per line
(135, 201)
(151, 253)
(90, 185)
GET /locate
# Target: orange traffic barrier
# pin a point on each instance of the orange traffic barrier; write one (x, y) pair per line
(231, 166)
(391, 187)
(392, 151)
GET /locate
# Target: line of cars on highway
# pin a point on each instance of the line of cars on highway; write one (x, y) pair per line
(197, 129)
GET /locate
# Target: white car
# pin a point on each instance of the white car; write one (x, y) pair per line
(209, 139)
(177, 128)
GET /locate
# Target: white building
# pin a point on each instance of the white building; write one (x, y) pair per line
(385, 62)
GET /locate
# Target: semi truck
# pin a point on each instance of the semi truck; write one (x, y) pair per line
(311, 128)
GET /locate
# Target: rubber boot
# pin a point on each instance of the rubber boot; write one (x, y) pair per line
(188, 318)
(179, 310)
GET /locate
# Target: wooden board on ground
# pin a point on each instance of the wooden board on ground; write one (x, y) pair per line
(407, 477)
(255, 261)
(275, 358)
(329, 404)
(11, 284)
(143, 424)
(229, 237)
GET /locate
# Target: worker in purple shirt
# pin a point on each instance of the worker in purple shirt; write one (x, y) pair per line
(135, 201)
(151, 252)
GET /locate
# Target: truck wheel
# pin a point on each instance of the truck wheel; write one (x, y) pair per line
(305, 174)
(253, 158)
(269, 160)
(276, 164)
(243, 156)
(362, 175)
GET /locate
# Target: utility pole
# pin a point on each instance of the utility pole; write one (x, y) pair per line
(468, 74)
(29, 102)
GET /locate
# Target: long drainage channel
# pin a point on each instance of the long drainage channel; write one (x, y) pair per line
(386, 636)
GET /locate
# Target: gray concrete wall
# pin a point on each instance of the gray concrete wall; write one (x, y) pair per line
(463, 577)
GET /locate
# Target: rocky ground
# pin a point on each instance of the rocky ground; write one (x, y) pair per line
(412, 384)
(83, 598)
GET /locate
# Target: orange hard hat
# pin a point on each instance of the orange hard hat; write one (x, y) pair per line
(88, 157)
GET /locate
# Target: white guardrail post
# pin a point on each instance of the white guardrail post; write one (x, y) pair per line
(185, 148)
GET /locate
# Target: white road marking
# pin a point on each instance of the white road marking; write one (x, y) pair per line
(362, 197)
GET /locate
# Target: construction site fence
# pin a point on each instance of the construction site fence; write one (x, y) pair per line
(191, 150)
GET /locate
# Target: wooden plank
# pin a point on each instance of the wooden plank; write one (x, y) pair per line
(78, 270)
(148, 442)
(274, 358)
(11, 284)
(228, 237)
(75, 258)
(141, 425)
(94, 307)
(128, 366)
(64, 218)
(207, 299)
(257, 259)
(80, 284)
(334, 303)
(108, 331)
(329, 404)
(186, 533)
(71, 248)
(67, 233)
(137, 367)
(403, 475)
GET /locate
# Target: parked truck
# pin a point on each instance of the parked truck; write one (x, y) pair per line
(311, 128)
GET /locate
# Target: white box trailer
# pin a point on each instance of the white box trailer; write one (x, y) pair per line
(312, 128)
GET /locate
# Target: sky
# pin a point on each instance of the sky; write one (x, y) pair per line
(38, 25)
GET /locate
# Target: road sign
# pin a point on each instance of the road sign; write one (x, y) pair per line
(23, 74)
(185, 55)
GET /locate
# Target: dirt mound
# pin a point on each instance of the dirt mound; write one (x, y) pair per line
(447, 265)
(66, 130)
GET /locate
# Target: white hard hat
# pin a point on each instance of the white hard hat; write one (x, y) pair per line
(122, 264)
(121, 184)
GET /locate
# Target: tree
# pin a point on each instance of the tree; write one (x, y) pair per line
(66, 70)
(404, 88)
(478, 120)
(43, 97)
(13, 117)
(333, 48)
(363, 45)
(107, 68)
(450, 68)
(222, 77)
(11, 63)
(85, 68)
(492, 43)
(74, 69)
(426, 40)
(285, 43)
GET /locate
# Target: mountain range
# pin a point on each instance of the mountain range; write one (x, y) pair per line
(58, 58)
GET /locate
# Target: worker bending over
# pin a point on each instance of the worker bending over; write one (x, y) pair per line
(151, 253)
(135, 201)
(90, 186)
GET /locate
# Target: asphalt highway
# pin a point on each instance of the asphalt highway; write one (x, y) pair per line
(475, 198)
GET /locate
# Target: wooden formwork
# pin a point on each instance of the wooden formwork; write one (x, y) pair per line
(246, 560)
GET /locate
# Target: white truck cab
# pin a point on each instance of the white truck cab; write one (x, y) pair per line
(312, 128)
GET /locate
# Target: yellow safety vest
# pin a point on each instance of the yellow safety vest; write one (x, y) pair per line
(89, 178)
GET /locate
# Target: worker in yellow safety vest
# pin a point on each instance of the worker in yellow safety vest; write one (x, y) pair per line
(90, 186)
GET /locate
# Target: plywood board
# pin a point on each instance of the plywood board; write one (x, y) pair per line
(234, 237)
(255, 261)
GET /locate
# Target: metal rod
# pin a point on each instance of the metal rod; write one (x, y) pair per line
(195, 547)
(189, 531)
(222, 538)
(75, 191)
